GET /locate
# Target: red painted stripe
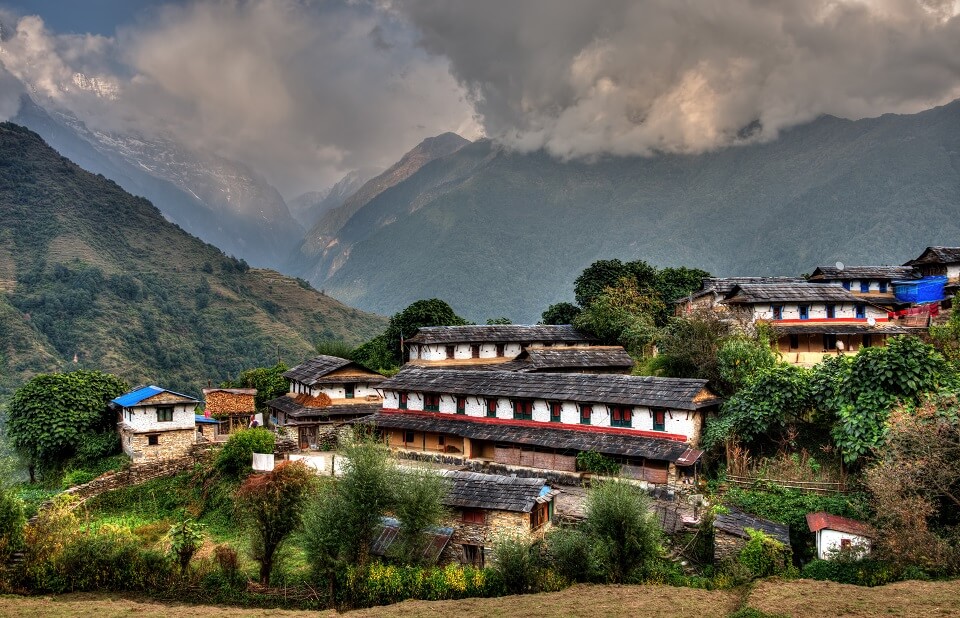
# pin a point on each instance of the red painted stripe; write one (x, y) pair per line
(820, 321)
(541, 424)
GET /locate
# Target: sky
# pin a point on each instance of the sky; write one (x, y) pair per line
(303, 91)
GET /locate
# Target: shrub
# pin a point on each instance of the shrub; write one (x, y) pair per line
(12, 521)
(764, 555)
(515, 564)
(228, 561)
(866, 572)
(236, 456)
(381, 584)
(597, 463)
(109, 560)
(77, 477)
(570, 555)
(186, 537)
(623, 528)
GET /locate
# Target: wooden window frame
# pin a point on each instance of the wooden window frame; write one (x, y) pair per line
(412, 435)
(662, 424)
(441, 439)
(474, 516)
(163, 413)
(556, 411)
(522, 409)
(461, 405)
(349, 391)
(501, 350)
(794, 342)
(474, 351)
(431, 402)
(803, 311)
(539, 516)
(865, 287)
(846, 285)
(860, 310)
(153, 439)
(451, 351)
(473, 554)
(831, 312)
(403, 400)
(883, 287)
(621, 416)
(777, 311)
(492, 403)
(586, 414)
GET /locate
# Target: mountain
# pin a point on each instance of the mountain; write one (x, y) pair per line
(496, 232)
(220, 201)
(309, 207)
(319, 255)
(93, 277)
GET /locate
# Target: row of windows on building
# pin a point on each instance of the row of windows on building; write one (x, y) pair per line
(830, 342)
(865, 286)
(804, 311)
(620, 416)
(298, 387)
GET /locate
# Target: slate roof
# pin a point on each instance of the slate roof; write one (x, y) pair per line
(824, 521)
(723, 285)
(845, 328)
(735, 522)
(790, 292)
(498, 333)
(312, 372)
(937, 255)
(545, 359)
(608, 443)
(472, 490)
(832, 273)
(389, 529)
(134, 397)
(676, 393)
(232, 391)
(295, 410)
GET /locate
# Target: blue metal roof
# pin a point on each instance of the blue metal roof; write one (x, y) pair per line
(199, 418)
(145, 392)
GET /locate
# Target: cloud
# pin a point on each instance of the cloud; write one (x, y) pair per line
(627, 77)
(299, 91)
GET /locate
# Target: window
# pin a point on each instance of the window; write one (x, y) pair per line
(461, 405)
(164, 415)
(804, 312)
(408, 437)
(431, 403)
(402, 401)
(659, 420)
(865, 342)
(473, 516)
(441, 440)
(499, 349)
(492, 408)
(450, 349)
(794, 342)
(555, 408)
(831, 311)
(777, 312)
(883, 287)
(845, 543)
(474, 351)
(153, 439)
(861, 310)
(522, 409)
(846, 285)
(348, 391)
(473, 555)
(585, 413)
(829, 342)
(538, 516)
(621, 416)
(864, 287)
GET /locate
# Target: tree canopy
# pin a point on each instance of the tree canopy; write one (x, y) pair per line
(53, 416)
(268, 381)
(384, 351)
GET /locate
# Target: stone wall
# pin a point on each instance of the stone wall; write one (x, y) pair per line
(497, 524)
(170, 444)
(726, 546)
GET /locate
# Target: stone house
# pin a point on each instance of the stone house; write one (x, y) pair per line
(872, 283)
(325, 392)
(730, 533)
(835, 533)
(233, 407)
(522, 423)
(492, 344)
(714, 289)
(156, 423)
(813, 319)
(485, 507)
(938, 261)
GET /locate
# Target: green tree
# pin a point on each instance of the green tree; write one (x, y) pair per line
(384, 351)
(560, 313)
(500, 320)
(268, 381)
(622, 315)
(570, 554)
(186, 538)
(419, 497)
(740, 358)
(51, 416)
(597, 277)
(689, 347)
(271, 503)
(623, 528)
(236, 457)
(514, 561)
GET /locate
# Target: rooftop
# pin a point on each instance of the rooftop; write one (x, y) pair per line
(736, 522)
(723, 285)
(844, 328)
(541, 359)
(937, 255)
(790, 292)
(824, 521)
(847, 273)
(143, 393)
(231, 391)
(677, 393)
(499, 333)
(472, 490)
(436, 539)
(301, 407)
(316, 370)
(541, 435)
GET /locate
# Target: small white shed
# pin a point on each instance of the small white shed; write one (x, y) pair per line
(835, 533)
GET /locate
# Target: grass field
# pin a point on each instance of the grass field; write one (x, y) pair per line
(794, 598)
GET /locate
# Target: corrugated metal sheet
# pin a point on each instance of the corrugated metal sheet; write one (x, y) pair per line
(146, 392)
(437, 539)
(825, 521)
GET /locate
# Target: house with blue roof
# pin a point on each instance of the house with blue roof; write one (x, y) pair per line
(156, 423)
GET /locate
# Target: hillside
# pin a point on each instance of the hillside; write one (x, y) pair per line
(503, 233)
(89, 271)
(220, 201)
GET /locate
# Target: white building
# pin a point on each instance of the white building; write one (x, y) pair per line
(156, 423)
(871, 283)
(837, 534)
(939, 261)
(492, 343)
